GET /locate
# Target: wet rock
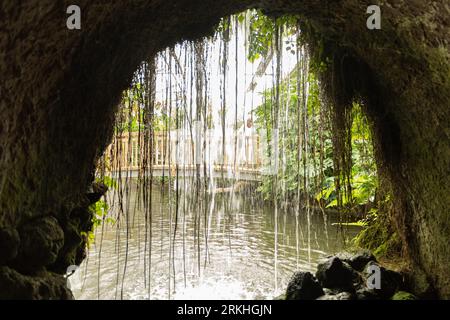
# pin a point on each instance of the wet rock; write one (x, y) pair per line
(339, 281)
(359, 260)
(366, 294)
(340, 296)
(46, 286)
(303, 286)
(331, 292)
(81, 253)
(73, 241)
(9, 244)
(95, 193)
(82, 217)
(76, 227)
(343, 256)
(41, 240)
(390, 281)
(334, 273)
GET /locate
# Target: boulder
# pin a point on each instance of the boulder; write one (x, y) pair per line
(390, 281)
(359, 260)
(343, 256)
(334, 273)
(303, 286)
(340, 296)
(337, 279)
(366, 294)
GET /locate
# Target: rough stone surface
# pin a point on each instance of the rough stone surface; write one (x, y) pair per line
(97, 191)
(78, 221)
(41, 240)
(339, 296)
(391, 281)
(59, 90)
(338, 281)
(361, 259)
(303, 286)
(357, 260)
(333, 273)
(9, 244)
(45, 286)
(366, 294)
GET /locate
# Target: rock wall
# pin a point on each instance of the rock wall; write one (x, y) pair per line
(59, 89)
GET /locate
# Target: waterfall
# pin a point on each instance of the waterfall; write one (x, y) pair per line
(199, 121)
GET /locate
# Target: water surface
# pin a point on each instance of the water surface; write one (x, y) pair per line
(238, 248)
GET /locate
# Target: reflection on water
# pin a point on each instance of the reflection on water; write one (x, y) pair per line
(249, 254)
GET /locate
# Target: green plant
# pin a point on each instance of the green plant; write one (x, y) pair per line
(99, 212)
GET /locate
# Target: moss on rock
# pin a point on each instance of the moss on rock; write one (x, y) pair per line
(403, 295)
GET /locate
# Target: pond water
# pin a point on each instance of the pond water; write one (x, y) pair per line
(239, 248)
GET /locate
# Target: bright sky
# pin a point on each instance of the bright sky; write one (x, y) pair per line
(246, 100)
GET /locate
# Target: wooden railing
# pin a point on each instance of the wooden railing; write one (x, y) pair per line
(170, 150)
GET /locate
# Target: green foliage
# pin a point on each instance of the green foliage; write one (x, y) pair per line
(315, 160)
(131, 112)
(360, 223)
(107, 181)
(262, 32)
(363, 180)
(403, 295)
(378, 234)
(163, 179)
(100, 211)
